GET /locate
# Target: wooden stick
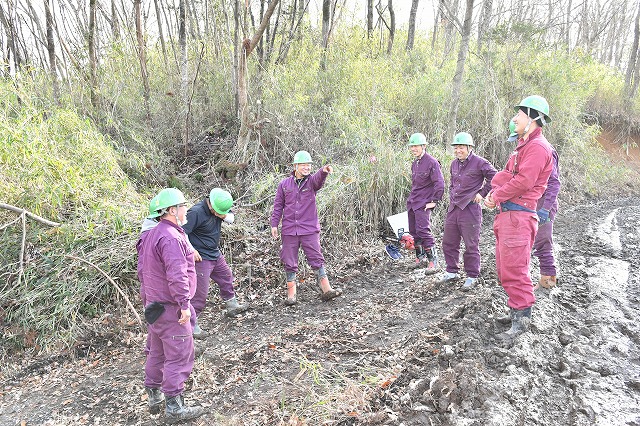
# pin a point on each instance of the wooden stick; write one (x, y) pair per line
(28, 213)
(23, 216)
(117, 287)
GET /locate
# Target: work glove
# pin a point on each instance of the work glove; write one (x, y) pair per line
(543, 216)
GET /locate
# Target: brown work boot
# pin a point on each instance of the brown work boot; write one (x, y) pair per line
(547, 281)
(291, 294)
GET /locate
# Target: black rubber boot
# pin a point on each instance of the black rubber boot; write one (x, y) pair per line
(432, 264)
(155, 400)
(177, 412)
(520, 322)
(420, 255)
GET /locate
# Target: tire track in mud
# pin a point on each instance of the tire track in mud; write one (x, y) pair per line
(579, 365)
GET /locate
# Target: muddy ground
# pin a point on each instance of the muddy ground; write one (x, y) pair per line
(397, 349)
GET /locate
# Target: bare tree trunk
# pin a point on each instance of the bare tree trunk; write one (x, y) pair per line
(392, 27)
(436, 23)
(632, 77)
(142, 58)
(12, 42)
(37, 32)
(194, 28)
(115, 27)
(51, 48)
(260, 47)
(369, 16)
(296, 21)
(620, 41)
(161, 34)
(633, 59)
(326, 22)
(274, 32)
(567, 29)
(450, 28)
(412, 24)
(236, 54)
(326, 26)
(93, 59)
(184, 73)
(457, 78)
(485, 22)
(244, 136)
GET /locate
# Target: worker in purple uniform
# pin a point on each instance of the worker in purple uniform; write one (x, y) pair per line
(155, 398)
(470, 182)
(168, 274)
(547, 208)
(203, 228)
(427, 188)
(295, 206)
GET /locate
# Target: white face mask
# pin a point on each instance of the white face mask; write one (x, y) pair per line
(178, 221)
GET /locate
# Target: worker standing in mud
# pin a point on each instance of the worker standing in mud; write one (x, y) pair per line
(516, 191)
(295, 206)
(204, 227)
(470, 182)
(547, 209)
(169, 277)
(427, 189)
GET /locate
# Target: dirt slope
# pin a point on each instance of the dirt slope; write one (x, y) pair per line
(397, 349)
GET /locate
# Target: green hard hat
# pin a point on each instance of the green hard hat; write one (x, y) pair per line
(417, 139)
(221, 200)
(538, 103)
(152, 212)
(302, 157)
(463, 138)
(512, 132)
(166, 198)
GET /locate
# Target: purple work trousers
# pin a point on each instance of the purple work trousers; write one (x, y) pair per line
(420, 227)
(515, 232)
(463, 225)
(217, 270)
(310, 246)
(171, 355)
(543, 249)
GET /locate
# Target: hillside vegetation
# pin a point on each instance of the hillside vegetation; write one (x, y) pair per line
(94, 170)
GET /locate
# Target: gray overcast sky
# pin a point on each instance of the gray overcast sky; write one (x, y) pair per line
(355, 10)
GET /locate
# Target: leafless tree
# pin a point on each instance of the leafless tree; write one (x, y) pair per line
(485, 21)
(392, 27)
(244, 135)
(412, 24)
(631, 76)
(142, 58)
(51, 49)
(369, 16)
(93, 57)
(457, 78)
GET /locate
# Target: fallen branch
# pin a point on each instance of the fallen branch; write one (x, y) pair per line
(28, 213)
(117, 287)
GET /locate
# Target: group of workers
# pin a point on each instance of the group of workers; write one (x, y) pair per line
(525, 194)
(179, 253)
(179, 248)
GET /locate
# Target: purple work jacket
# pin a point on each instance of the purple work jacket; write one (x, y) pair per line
(549, 199)
(468, 178)
(295, 204)
(168, 267)
(427, 182)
